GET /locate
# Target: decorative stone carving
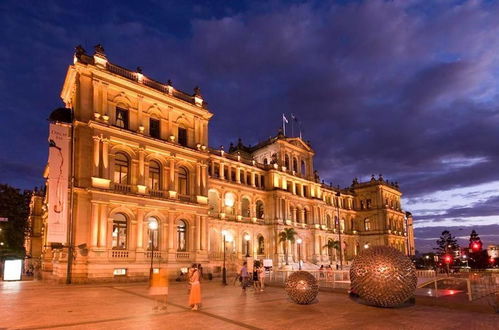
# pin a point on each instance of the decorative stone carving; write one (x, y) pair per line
(383, 276)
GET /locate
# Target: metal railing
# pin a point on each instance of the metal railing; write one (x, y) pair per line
(122, 187)
(325, 278)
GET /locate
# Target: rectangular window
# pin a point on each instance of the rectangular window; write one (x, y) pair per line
(154, 128)
(182, 136)
(121, 118)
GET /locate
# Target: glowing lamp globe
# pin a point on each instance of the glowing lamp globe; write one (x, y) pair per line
(383, 276)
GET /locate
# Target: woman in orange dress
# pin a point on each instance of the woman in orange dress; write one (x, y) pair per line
(195, 294)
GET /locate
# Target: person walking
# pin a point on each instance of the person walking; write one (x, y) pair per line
(256, 279)
(159, 288)
(261, 275)
(195, 293)
(244, 275)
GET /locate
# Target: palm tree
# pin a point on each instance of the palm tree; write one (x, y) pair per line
(330, 246)
(287, 235)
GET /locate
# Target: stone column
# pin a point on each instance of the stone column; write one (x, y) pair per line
(198, 233)
(198, 179)
(103, 226)
(222, 172)
(140, 229)
(104, 97)
(94, 226)
(95, 95)
(105, 159)
(141, 167)
(171, 228)
(163, 234)
(172, 175)
(238, 174)
(204, 184)
(96, 162)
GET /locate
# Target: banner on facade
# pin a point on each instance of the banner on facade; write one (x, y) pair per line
(58, 180)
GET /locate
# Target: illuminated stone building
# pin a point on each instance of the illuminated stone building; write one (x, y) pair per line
(141, 156)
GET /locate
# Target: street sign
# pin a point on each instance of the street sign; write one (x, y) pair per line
(4, 219)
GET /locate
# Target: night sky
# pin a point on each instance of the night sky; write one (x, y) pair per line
(409, 89)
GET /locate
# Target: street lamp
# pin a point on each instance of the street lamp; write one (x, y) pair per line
(247, 238)
(226, 238)
(299, 241)
(153, 226)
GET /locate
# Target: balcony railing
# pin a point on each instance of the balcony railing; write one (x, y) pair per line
(156, 193)
(183, 255)
(124, 188)
(184, 198)
(157, 254)
(119, 254)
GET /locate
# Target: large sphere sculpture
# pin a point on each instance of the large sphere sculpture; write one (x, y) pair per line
(383, 276)
(302, 287)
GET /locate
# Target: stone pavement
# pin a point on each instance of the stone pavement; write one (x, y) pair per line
(40, 305)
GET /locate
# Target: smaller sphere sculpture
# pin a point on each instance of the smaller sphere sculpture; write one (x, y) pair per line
(302, 287)
(383, 276)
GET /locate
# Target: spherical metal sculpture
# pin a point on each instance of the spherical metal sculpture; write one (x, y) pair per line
(383, 276)
(302, 287)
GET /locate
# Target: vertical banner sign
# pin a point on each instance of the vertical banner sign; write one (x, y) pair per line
(59, 162)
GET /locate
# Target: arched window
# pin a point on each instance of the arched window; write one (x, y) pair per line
(229, 202)
(303, 167)
(182, 136)
(121, 168)
(295, 164)
(367, 224)
(182, 236)
(260, 210)
(120, 229)
(154, 175)
(213, 202)
(286, 161)
(261, 245)
(183, 181)
(153, 234)
(245, 207)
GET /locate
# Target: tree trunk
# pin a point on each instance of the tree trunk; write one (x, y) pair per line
(286, 252)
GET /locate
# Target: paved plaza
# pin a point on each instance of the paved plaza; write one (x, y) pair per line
(40, 305)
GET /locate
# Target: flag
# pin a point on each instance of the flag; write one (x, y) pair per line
(284, 119)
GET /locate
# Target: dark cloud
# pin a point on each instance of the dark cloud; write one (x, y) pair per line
(403, 88)
(484, 208)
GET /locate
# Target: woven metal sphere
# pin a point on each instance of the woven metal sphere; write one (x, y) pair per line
(383, 276)
(302, 287)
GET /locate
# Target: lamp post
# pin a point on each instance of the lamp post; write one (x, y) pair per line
(247, 238)
(153, 226)
(299, 241)
(338, 194)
